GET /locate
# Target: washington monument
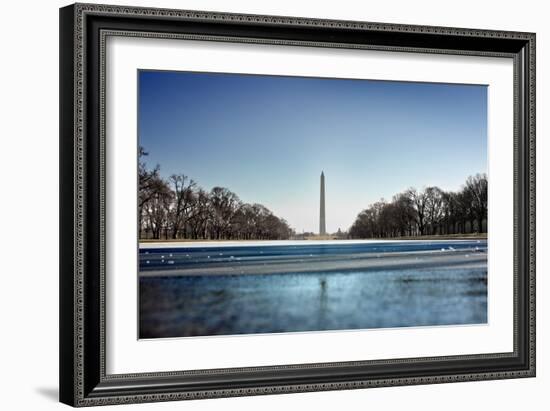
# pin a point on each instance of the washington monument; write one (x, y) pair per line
(322, 225)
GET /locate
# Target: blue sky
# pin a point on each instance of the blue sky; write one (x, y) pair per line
(267, 138)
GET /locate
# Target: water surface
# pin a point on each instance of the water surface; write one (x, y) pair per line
(386, 285)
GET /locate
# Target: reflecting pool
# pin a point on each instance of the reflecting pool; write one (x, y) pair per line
(223, 290)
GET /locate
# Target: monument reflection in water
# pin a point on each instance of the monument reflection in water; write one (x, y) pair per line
(310, 286)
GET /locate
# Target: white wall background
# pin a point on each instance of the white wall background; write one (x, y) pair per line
(29, 205)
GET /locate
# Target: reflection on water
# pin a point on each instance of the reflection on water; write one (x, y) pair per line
(178, 306)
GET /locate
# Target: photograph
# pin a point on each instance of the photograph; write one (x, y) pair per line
(289, 201)
(282, 204)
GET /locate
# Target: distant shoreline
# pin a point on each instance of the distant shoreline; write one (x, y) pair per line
(481, 236)
(477, 236)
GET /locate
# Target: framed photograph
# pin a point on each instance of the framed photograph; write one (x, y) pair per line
(261, 204)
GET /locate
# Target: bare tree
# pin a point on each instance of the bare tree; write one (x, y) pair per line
(182, 189)
(180, 209)
(157, 210)
(365, 225)
(149, 183)
(431, 211)
(404, 213)
(224, 204)
(433, 198)
(476, 186)
(418, 201)
(199, 214)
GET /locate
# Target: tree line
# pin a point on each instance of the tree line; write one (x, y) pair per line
(431, 211)
(177, 208)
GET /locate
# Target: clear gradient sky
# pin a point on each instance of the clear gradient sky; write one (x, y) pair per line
(267, 138)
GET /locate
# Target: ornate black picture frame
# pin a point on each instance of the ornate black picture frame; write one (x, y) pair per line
(83, 30)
